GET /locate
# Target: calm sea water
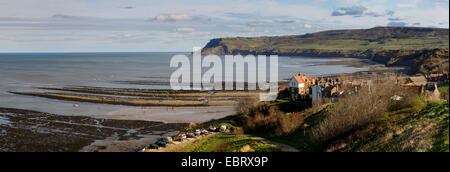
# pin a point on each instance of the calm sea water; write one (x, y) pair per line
(20, 72)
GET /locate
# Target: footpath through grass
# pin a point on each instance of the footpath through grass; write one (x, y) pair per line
(231, 143)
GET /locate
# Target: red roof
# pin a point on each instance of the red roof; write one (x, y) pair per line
(283, 88)
(409, 85)
(299, 78)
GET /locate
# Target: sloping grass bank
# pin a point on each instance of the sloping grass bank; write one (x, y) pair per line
(421, 128)
(231, 143)
(426, 131)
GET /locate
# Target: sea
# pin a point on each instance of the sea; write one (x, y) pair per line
(23, 71)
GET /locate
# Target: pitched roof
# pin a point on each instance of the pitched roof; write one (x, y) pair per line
(419, 80)
(298, 78)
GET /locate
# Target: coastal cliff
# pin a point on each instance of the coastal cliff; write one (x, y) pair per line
(423, 50)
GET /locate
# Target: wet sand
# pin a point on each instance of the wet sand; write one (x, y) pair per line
(363, 63)
(31, 131)
(351, 62)
(133, 101)
(142, 97)
(172, 114)
(155, 93)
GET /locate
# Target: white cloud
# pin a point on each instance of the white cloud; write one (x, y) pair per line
(185, 30)
(347, 2)
(249, 29)
(407, 5)
(173, 17)
(256, 24)
(307, 26)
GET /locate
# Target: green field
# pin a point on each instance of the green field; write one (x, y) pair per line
(261, 43)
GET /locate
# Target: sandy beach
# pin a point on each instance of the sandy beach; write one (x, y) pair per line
(172, 114)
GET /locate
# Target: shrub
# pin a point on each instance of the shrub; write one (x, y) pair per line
(269, 118)
(444, 92)
(357, 110)
(262, 117)
(246, 105)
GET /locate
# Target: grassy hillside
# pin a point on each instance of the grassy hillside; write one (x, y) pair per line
(337, 43)
(400, 131)
(427, 131)
(424, 50)
(389, 38)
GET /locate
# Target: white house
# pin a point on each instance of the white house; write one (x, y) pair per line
(296, 85)
(296, 82)
(300, 87)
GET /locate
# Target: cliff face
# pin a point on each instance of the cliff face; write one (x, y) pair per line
(424, 50)
(215, 46)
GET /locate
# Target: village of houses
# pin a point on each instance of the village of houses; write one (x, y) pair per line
(329, 89)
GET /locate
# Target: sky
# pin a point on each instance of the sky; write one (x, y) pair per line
(178, 26)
